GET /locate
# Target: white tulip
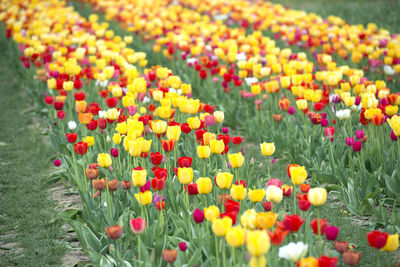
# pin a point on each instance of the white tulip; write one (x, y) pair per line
(293, 251)
(72, 125)
(343, 114)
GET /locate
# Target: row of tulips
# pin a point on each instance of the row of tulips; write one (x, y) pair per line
(372, 48)
(169, 145)
(319, 107)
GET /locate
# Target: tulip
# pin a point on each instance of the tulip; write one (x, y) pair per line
(99, 184)
(249, 219)
(292, 223)
(235, 236)
(267, 149)
(257, 242)
(137, 225)
(332, 232)
(317, 196)
(267, 206)
(185, 175)
(266, 220)
(224, 180)
(219, 116)
(104, 160)
(217, 146)
(392, 243)
(256, 195)
(173, 133)
(274, 194)
(156, 158)
(126, 185)
(203, 152)
(308, 262)
(139, 176)
(298, 174)
(221, 226)
(182, 246)
(293, 251)
(211, 213)
(158, 184)
(71, 138)
(144, 198)
(351, 258)
(113, 185)
(301, 104)
(319, 226)
(327, 261)
(198, 216)
(114, 232)
(236, 160)
(57, 162)
(185, 162)
(274, 181)
(169, 255)
(394, 123)
(194, 123)
(204, 185)
(168, 145)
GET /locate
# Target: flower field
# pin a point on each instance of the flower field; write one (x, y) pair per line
(216, 133)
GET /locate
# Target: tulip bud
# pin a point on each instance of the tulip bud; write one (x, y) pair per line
(92, 173)
(169, 255)
(126, 185)
(113, 185)
(114, 232)
(99, 184)
(57, 162)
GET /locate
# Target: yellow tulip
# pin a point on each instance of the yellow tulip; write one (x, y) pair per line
(207, 137)
(139, 177)
(256, 195)
(266, 220)
(203, 152)
(194, 123)
(235, 236)
(190, 106)
(238, 192)
(224, 180)
(164, 112)
(394, 123)
(219, 116)
(221, 226)
(317, 196)
(274, 194)
(298, 174)
(391, 110)
(173, 132)
(236, 160)
(134, 148)
(211, 213)
(185, 175)
(159, 126)
(204, 185)
(217, 146)
(117, 138)
(256, 89)
(89, 140)
(249, 219)
(145, 145)
(301, 104)
(104, 160)
(258, 242)
(260, 261)
(144, 198)
(267, 149)
(392, 243)
(308, 262)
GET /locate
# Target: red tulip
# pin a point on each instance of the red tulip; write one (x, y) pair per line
(325, 261)
(267, 206)
(322, 223)
(185, 162)
(192, 189)
(158, 183)
(160, 205)
(225, 138)
(126, 185)
(292, 222)
(71, 138)
(156, 158)
(81, 148)
(237, 140)
(232, 206)
(185, 128)
(232, 215)
(168, 145)
(377, 239)
(304, 204)
(160, 173)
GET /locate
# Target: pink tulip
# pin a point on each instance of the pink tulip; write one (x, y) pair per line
(137, 225)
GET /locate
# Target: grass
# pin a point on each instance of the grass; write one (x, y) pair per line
(28, 218)
(383, 12)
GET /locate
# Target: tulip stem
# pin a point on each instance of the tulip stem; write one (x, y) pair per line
(378, 259)
(319, 230)
(223, 252)
(204, 168)
(269, 167)
(138, 245)
(216, 250)
(233, 256)
(294, 199)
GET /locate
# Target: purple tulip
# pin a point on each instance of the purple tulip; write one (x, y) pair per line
(360, 134)
(57, 162)
(291, 110)
(332, 232)
(357, 146)
(349, 141)
(393, 136)
(114, 152)
(225, 130)
(182, 246)
(198, 216)
(324, 122)
(358, 100)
